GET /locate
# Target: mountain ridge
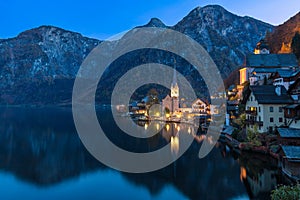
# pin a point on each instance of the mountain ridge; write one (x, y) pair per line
(50, 56)
(281, 38)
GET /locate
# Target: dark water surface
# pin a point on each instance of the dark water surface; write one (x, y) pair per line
(42, 157)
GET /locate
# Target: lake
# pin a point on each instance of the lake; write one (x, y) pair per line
(42, 157)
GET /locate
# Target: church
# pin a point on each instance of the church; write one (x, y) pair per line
(172, 102)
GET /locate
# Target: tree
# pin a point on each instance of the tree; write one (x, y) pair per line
(253, 136)
(296, 45)
(241, 121)
(286, 192)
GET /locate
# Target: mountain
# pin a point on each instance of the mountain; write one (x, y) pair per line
(155, 22)
(39, 65)
(226, 37)
(281, 38)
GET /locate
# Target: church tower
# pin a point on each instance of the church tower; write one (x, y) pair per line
(174, 86)
(175, 93)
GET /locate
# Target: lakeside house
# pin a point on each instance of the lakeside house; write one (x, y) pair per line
(288, 136)
(291, 161)
(264, 107)
(292, 115)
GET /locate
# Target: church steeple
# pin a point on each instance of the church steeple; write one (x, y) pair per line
(174, 86)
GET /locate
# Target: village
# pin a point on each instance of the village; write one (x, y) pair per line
(263, 110)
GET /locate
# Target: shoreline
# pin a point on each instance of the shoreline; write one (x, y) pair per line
(262, 150)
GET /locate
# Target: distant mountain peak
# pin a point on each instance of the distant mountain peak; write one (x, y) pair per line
(155, 22)
(210, 9)
(45, 28)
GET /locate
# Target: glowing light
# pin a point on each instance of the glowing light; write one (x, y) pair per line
(175, 144)
(243, 174)
(167, 127)
(178, 128)
(157, 126)
(146, 126)
(189, 130)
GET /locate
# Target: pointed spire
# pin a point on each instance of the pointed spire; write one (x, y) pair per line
(174, 85)
(174, 76)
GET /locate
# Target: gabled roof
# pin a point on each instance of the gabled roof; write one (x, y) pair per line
(284, 73)
(197, 101)
(291, 152)
(287, 73)
(265, 94)
(294, 85)
(271, 60)
(289, 132)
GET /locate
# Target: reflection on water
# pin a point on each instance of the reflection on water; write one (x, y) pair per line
(260, 175)
(42, 157)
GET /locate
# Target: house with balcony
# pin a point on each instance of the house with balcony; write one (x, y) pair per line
(292, 115)
(264, 107)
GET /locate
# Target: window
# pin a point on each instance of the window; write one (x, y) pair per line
(271, 109)
(251, 99)
(271, 119)
(259, 118)
(280, 109)
(258, 108)
(280, 119)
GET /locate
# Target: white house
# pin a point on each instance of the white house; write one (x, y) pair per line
(198, 106)
(264, 107)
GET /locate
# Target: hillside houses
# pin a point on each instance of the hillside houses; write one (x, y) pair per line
(271, 99)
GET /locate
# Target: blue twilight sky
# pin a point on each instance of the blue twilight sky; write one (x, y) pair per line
(101, 19)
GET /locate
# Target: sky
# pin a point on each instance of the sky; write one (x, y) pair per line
(103, 19)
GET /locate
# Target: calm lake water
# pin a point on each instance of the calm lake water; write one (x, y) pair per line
(42, 157)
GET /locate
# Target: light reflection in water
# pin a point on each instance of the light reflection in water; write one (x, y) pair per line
(41, 147)
(175, 144)
(243, 174)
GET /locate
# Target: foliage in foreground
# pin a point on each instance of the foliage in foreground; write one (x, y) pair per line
(253, 136)
(286, 193)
